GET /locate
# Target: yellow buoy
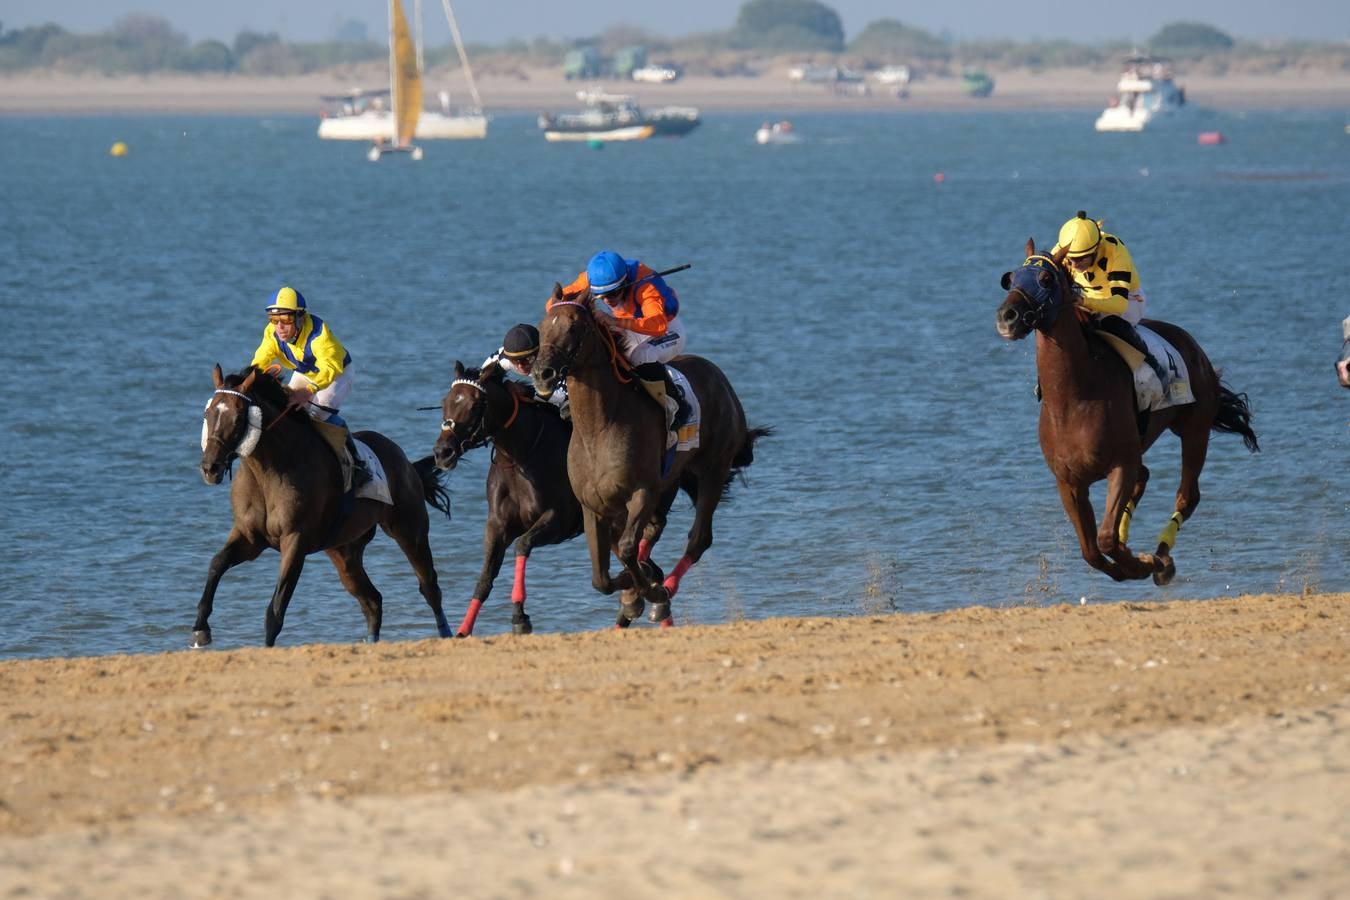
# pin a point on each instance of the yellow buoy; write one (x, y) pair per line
(118, 149)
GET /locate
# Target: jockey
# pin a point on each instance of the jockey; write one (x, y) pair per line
(321, 378)
(1107, 280)
(517, 354)
(646, 313)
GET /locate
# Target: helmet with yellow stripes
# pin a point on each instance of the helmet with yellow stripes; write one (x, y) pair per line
(1080, 235)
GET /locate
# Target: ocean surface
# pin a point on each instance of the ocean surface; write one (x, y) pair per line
(847, 291)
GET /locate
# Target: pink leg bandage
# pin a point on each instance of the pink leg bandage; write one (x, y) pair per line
(518, 589)
(470, 616)
(672, 582)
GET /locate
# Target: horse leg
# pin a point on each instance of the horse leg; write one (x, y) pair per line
(1126, 516)
(598, 542)
(416, 546)
(640, 510)
(494, 551)
(543, 528)
(1120, 485)
(348, 560)
(237, 550)
(292, 564)
(1194, 448)
(657, 525)
(700, 535)
(1078, 507)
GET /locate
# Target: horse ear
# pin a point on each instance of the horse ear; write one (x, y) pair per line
(1061, 253)
(459, 369)
(248, 382)
(1006, 280)
(1031, 247)
(557, 292)
(217, 376)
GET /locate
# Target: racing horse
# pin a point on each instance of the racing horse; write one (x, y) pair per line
(615, 458)
(1343, 364)
(288, 495)
(1088, 425)
(529, 498)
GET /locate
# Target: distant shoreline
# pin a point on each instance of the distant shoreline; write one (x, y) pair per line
(1084, 89)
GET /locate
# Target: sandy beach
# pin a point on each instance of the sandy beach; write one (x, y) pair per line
(536, 91)
(1195, 748)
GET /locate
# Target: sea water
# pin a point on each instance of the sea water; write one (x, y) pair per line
(845, 288)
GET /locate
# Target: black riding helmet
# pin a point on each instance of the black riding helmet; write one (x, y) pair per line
(521, 340)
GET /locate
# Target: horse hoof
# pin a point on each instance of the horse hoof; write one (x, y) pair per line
(522, 627)
(200, 639)
(631, 609)
(371, 639)
(660, 611)
(652, 571)
(1165, 575)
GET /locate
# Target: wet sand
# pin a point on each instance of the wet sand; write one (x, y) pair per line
(1196, 748)
(537, 91)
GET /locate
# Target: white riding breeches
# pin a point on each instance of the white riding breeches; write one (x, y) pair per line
(329, 400)
(646, 348)
(1134, 309)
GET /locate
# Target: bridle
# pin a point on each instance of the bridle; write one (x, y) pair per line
(253, 431)
(1043, 302)
(479, 435)
(617, 363)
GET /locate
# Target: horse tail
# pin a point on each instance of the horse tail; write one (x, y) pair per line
(1235, 416)
(744, 457)
(433, 491)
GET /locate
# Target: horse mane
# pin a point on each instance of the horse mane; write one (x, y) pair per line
(266, 389)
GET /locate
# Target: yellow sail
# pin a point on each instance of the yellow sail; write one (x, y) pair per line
(406, 80)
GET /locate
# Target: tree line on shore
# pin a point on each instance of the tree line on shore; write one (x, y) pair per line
(764, 32)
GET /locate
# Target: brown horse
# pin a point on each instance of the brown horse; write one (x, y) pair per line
(288, 495)
(1089, 429)
(529, 498)
(614, 460)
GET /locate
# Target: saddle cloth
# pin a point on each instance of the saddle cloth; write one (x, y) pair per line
(687, 438)
(378, 486)
(1149, 395)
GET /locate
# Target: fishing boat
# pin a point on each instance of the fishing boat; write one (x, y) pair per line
(371, 115)
(1145, 95)
(616, 117)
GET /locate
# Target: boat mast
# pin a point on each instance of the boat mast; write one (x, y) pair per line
(393, 78)
(417, 24)
(463, 57)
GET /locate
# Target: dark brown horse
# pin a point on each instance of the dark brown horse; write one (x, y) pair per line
(1089, 429)
(288, 495)
(529, 498)
(614, 460)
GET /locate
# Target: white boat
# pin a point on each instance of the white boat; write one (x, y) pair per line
(369, 115)
(1145, 94)
(777, 133)
(617, 117)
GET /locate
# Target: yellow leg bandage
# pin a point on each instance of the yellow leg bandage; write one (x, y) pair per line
(1124, 531)
(1168, 535)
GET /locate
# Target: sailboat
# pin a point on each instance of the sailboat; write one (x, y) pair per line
(365, 116)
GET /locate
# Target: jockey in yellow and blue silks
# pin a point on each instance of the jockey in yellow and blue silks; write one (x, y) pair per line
(645, 312)
(1107, 281)
(321, 368)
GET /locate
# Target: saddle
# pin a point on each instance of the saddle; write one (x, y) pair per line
(1149, 394)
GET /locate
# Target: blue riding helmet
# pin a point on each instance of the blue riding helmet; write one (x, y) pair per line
(607, 272)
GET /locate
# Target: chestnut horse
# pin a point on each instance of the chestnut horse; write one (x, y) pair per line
(288, 495)
(1089, 429)
(529, 498)
(614, 460)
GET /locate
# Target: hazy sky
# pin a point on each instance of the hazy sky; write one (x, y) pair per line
(495, 21)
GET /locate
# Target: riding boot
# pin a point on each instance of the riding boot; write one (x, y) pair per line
(361, 474)
(654, 378)
(1123, 329)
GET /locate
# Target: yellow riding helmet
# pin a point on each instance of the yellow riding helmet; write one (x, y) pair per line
(1080, 235)
(288, 299)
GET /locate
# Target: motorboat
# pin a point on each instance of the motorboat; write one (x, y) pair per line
(1145, 94)
(391, 118)
(777, 133)
(617, 117)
